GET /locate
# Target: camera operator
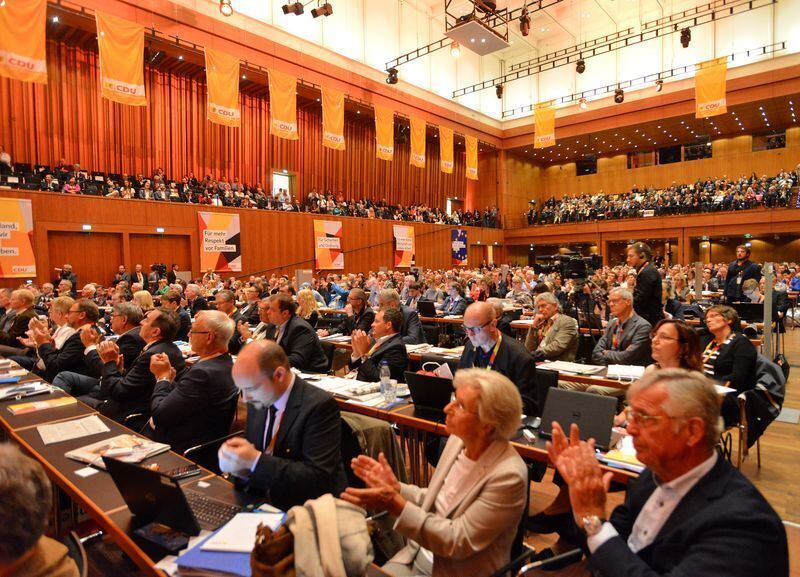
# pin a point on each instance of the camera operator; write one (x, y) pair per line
(65, 273)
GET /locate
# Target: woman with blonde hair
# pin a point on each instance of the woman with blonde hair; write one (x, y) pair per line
(307, 307)
(144, 299)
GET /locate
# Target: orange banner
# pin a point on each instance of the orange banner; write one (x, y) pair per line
(121, 59)
(384, 133)
(472, 157)
(222, 75)
(22, 40)
(283, 105)
(17, 257)
(332, 118)
(446, 149)
(544, 118)
(418, 142)
(710, 87)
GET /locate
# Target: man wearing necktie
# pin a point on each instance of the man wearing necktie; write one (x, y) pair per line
(292, 449)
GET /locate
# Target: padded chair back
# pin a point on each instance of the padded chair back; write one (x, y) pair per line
(76, 552)
(545, 380)
(205, 455)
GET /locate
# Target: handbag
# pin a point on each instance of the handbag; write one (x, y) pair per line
(273, 554)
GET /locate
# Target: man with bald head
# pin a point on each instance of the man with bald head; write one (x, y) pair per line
(293, 447)
(488, 348)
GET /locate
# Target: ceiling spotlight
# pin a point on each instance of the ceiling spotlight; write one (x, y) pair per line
(392, 78)
(619, 96)
(225, 7)
(54, 19)
(295, 8)
(659, 85)
(324, 10)
(524, 22)
(583, 104)
(686, 37)
(455, 50)
(580, 66)
(499, 90)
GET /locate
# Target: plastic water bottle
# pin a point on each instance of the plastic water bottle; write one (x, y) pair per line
(388, 390)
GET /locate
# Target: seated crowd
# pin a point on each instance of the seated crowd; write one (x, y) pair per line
(123, 359)
(710, 195)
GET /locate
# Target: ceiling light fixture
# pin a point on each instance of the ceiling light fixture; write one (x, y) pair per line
(659, 85)
(225, 7)
(619, 96)
(325, 10)
(392, 76)
(580, 66)
(583, 104)
(499, 90)
(295, 8)
(686, 37)
(524, 22)
(455, 50)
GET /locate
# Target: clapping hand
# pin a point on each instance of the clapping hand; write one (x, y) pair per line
(90, 337)
(161, 367)
(383, 488)
(361, 343)
(108, 351)
(244, 330)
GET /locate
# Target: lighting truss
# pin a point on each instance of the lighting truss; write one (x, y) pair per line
(650, 78)
(710, 12)
(501, 19)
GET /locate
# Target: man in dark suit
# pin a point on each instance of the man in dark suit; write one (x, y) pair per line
(487, 348)
(411, 330)
(249, 310)
(66, 273)
(293, 447)
(739, 271)
(389, 346)
(454, 303)
(138, 276)
(647, 295)
(295, 336)
(171, 300)
(195, 302)
(122, 275)
(172, 274)
(690, 512)
(16, 325)
(359, 316)
(225, 302)
(198, 404)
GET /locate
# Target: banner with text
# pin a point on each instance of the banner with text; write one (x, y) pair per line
(283, 105)
(220, 242)
(418, 142)
(222, 74)
(446, 149)
(121, 45)
(22, 40)
(459, 245)
(403, 246)
(17, 259)
(328, 252)
(472, 157)
(710, 87)
(384, 133)
(544, 121)
(332, 118)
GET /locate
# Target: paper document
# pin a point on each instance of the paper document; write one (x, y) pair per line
(625, 372)
(68, 430)
(24, 390)
(33, 406)
(239, 534)
(127, 448)
(567, 367)
(335, 339)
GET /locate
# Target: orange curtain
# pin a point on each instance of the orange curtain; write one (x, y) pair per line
(67, 118)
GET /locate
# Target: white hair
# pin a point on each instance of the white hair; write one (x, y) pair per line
(499, 401)
(220, 324)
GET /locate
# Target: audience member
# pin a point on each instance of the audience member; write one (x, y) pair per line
(295, 336)
(552, 336)
(647, 291)
(411, 329)
(738, 272)
(388, 347)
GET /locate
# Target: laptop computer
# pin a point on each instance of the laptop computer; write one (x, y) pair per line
(750, 312)
(594, 414)
(155, 497)
(591, 321)
(430, 395)
(426, 308)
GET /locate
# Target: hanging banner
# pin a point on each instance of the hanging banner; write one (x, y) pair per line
(544, 118)
(417, 142)
(121, 59)
(17, 259)
(22, 40)
(403, 246)
(220, 242)
(459, 246)
(472, 157)
(384, 133)
(328, 252)
(222, 75)
(446, 149)
(710, 87)
(283, 105)
(332, 118)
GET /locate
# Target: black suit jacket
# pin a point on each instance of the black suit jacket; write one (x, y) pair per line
(197, 305)
(301, 344)
(392, 350)
(515, 362)
(733, 287)
(250, 313)
(171, 277)
(185, 324)
(18, 328)
(69, 357)
(362, 322)
(130, 346)
(411, 330)
(235, 344)
(647, 295)
(722, 527)
(454, 307)
(197, 407)
(135, 279)
(130, 392)
(306, 460)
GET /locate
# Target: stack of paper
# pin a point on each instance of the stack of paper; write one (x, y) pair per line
(575, 368)
(32, 407)
(68, 430)
(128, 448)
(624, 372)
(24, 390)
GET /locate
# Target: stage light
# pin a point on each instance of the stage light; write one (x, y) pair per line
(659, 85)
(686, 37)
(392, 77)
(296, 8)
(583, 104)
(225, 7)
(580, 66)
(324, 10)
(499, 90)
(455, 50)
(619, 96)
(524, 22)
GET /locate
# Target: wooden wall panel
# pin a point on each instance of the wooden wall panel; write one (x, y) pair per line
(92, 255)
(146, 249)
